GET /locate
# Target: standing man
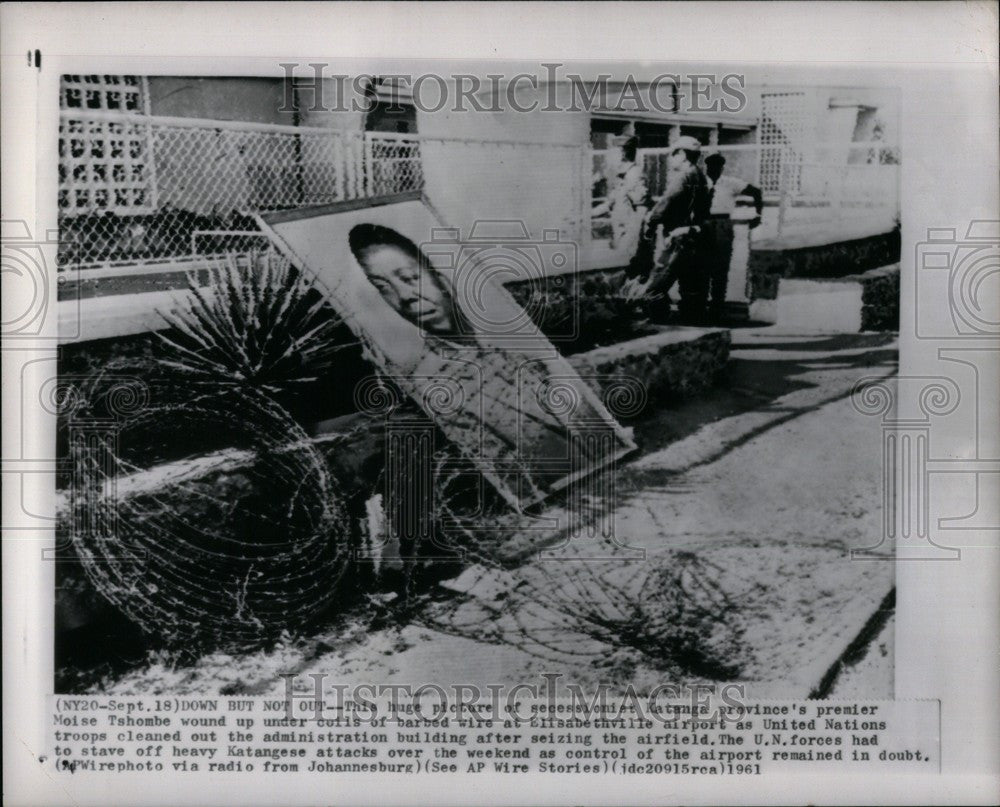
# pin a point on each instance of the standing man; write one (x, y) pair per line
(627, 202)
(681, 212)
(719, 228)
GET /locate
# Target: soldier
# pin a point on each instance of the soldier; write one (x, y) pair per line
(681, 212)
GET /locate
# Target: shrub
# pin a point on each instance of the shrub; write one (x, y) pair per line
(607, 309)
(259, 326)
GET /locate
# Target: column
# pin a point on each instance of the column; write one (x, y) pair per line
(738, 287)
(409, 484)
(93, 445)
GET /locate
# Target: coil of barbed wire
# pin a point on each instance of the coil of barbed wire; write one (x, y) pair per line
(233, 557)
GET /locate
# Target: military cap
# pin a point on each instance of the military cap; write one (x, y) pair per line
(685, 143)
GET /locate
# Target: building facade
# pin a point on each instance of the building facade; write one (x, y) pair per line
(168, 168)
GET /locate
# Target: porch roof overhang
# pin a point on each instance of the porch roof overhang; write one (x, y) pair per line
(837, 102)
(707, 120)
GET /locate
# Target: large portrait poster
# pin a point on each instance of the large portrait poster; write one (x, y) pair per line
(436, 321)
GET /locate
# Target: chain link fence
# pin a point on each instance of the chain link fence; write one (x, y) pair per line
(135, 189)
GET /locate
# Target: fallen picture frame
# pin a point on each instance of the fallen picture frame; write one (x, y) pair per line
(482, 373)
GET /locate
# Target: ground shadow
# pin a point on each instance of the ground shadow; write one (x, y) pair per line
(755, 384)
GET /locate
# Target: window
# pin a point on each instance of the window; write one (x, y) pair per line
(782, 133)
(384, 117)
(603, 132)
(652, 135)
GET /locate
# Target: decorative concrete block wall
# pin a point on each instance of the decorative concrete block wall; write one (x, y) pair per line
(880, 299)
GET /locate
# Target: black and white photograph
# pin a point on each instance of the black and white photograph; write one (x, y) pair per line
(537, 390)
(350, 405)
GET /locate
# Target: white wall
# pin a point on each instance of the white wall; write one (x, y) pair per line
(541, 184)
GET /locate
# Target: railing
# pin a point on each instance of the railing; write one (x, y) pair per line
(829, 185)
(838, 189)
(136, 189)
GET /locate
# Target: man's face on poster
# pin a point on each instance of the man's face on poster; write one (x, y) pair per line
(409, 286)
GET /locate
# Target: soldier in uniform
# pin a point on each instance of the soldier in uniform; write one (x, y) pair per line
(680, 212)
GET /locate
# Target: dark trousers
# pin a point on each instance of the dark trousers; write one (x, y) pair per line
(682, 263)
(718, 253)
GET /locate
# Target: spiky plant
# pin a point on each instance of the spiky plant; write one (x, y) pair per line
(258, 326)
